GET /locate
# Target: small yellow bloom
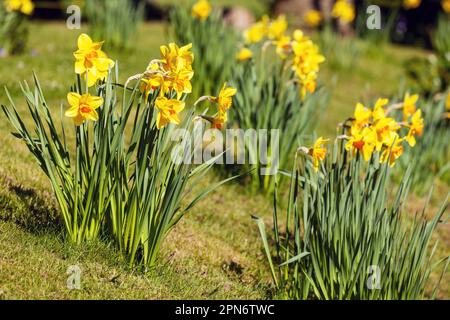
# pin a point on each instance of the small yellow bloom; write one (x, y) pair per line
(91, 61)
(244, 54)
(415, 128)
(343, 11)
(363, 142)
(318, 152)
(393, 151)
(24, 6)
(257, 31)
(176, 59)
(277, 27)
(447, 102)
(409, 105)
(168, 111)
(446, 5)
(201, 10)
(384, 128)
(283, 46)
(411, 4)
(313, 18)
(225, 98)
(82, 107)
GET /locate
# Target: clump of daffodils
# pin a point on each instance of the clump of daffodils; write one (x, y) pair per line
(372, 130)
(298, 50)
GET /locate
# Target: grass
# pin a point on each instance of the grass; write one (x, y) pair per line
(214, 253)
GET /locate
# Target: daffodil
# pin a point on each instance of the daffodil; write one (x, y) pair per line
(446, 5)
(283, 46)
(411, 4)
(362, 115)
(82, 107)
(257, 31)
(394, 149)
(409, 105)
(176, 59)
(384, 128)
(318, 152)
(244, 54)
(24, 6)
(378, 110)
(363, 142)
(201, 10)
(277, 27)
(219, 120)
(91, 61)
(168, 110)
(312, 18)
(225, 98)
(344, 11)
(415, 128)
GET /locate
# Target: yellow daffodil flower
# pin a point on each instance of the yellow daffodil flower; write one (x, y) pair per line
(343, 11)
(393, 151)
(176, 59)
(225, 98)
(415, 128)
(277, 27)
(384, 128)
(219, 120)
(363, 142)
(378, 110)
(362, 115)
(312, 18)
(82, 107)
(446, 5)
(409, 105)
(257, 31)
(91, 61)
(168, 111)
(411, 4)
(318, 152)
(201, 10)
(244, 54)
(24, 6)
(283, 46)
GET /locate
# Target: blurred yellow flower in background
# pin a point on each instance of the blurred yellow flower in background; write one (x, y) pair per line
(24, 6)
(277, 27)
(244, 54)
(91, 61)
(409, 104)
(82, 107)
(343, 11)
(411, 4)
(201, 9)
(446, 5)
(415, 128)
(312, 18)
(257, 31)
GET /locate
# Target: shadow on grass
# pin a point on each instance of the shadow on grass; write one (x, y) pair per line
(31, 209)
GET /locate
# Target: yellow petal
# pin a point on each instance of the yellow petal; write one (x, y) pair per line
(74, 99)
(94, 102)
(72, 112)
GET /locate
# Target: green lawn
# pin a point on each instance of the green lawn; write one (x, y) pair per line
(214, 253)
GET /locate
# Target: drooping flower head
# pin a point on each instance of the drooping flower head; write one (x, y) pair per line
(90, 61)
(318, 152)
